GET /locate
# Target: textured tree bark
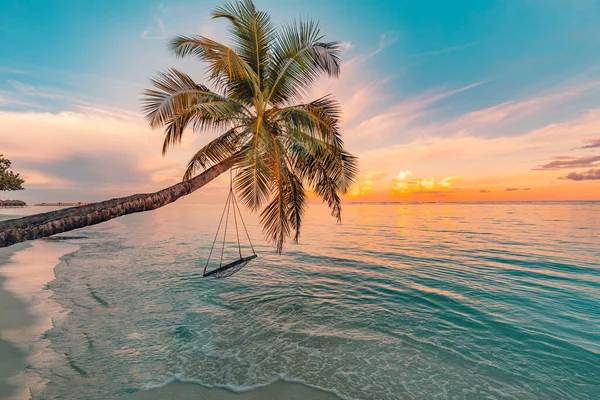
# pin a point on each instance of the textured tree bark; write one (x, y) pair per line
(50, 223)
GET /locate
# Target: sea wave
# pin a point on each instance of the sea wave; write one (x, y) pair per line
(245, 389)
(396, 303)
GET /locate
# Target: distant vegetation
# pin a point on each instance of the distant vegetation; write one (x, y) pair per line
(8, 179)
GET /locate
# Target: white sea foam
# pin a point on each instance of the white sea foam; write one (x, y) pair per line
(244, 389)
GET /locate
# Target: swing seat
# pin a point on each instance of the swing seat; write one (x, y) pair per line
(231, 268)
(223, 271)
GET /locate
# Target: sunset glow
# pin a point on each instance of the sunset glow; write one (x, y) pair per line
(479, 116)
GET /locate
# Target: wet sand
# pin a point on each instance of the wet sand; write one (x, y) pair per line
(274, 391)
(13, 315)
(26, 312)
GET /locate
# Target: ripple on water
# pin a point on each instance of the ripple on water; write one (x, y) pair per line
(419, 301)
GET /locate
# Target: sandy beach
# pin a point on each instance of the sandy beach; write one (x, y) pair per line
(27, 312)
(13, 315)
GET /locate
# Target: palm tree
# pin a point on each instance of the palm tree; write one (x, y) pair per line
(278, 145)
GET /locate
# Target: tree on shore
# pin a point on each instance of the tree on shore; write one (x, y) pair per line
(277, 144)
(8, 179)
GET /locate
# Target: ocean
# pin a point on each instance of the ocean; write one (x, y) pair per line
(399, 301)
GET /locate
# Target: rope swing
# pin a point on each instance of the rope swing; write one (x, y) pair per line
(223, 271)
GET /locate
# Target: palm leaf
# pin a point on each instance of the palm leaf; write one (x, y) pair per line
(255, 173)
(319, 118)
(216, 151)
(178, 101)
(252, 33)
(226, 68)
(288, 203)
(299, 58)
(323, 173)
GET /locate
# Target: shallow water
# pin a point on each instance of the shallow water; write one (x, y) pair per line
(398, 302)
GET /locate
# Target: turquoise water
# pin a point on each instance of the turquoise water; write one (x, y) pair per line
(484, 301)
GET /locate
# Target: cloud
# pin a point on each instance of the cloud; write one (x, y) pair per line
(448, 49)
(28, 96)
(484, 191)
(42, 180)
(460, 147)
(402, 186)
(12, 101)
(7, 70)
(385, 40)
(516, 110)
(19, 95)
(402, 175)
(346, 45)
(149, 33)
(592, 174)
(564, 162)
(389, 121)
(591, 144)
(94, 152)
(511, 189)
(370, 123)
(365, 183)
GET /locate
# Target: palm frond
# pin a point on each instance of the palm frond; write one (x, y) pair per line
(288, 203)
(174, 91)
(178, 101)
(299, 58)
(297, 199)
(255, 173)
(328, 173)
(319, 118)
(216, 151)
(226, 68)
(252, 32)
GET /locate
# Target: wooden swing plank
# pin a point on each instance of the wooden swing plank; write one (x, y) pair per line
(230, 265)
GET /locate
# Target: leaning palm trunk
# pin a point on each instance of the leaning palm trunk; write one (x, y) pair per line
(51, 223)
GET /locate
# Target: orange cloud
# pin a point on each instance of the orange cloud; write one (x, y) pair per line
(365, 183)
(402, 186)
(40, 180)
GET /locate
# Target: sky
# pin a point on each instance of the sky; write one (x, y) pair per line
(465, 100)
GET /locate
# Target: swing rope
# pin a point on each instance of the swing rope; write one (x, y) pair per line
(227, 270)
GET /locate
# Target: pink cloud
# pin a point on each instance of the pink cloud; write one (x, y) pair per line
(98, 135)
(590, 144)
(592, 174)
(564, 162)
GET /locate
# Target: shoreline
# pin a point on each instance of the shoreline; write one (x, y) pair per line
(186, 389)
(26, 312)
(13, 315)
